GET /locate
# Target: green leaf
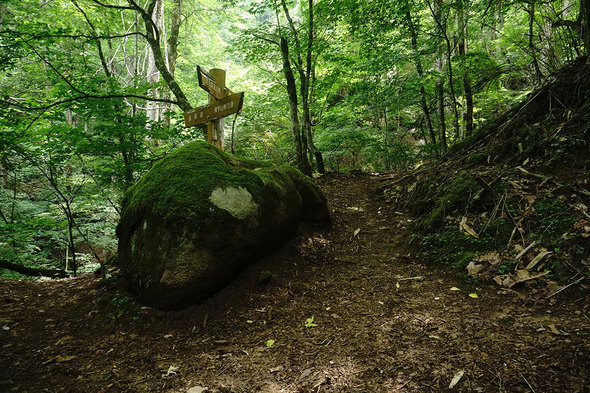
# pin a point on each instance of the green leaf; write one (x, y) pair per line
(309, 322)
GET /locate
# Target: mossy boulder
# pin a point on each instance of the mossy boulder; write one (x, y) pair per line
(200, 216)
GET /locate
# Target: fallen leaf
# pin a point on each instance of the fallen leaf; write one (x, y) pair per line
(197, 389)
(537, 259)
(455, 289)
(553, 329)
(463, 225)
(172, 370)
(270, 343)
(473, 295)
(306, 373)
(456, 378)
(355, 209)
(474, 269)
(62, 359)
(531, 199)
(64, 339)
(492, 257)
(309, 322)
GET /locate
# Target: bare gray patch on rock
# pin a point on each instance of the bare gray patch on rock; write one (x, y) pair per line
(237, 201)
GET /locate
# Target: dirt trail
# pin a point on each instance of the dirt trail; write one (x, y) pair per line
(375, 326)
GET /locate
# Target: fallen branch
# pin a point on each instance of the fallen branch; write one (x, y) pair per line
(30, 271)
(566, 287)
(417, 278)
(525, 250)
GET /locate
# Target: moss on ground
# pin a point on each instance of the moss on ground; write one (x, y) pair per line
(449, 198)
(455, 248)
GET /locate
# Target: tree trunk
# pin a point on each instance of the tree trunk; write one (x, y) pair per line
(440, 94)
(319, 158)
(307, 97)
(152, 74)
(468, 115)
(532, 48)
(301, 155)
(153, 39)
(443, 31)
(584, 20)
(175, 23)
(304, 71)
(420, 71)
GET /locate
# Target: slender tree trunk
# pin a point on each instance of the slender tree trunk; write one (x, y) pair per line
(584, 21)
(153, 75)
(70, 218)
(319, 158)
(532, 48)
(440, 94)
(468, 115)
(307, 95)
(301, 156)
(420, 71)
(304, 71)
(443, 31)
(175, 23)
(153, 39)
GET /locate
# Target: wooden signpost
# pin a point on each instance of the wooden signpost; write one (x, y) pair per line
(222, 103)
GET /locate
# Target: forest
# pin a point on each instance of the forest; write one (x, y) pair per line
(93, 94)
(450, 138)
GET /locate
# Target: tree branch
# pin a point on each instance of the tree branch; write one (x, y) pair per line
(84, 96)
(98, 44)
(6, 33)
(271, 41)
(118, 7)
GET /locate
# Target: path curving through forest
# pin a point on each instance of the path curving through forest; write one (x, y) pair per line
(350, 309)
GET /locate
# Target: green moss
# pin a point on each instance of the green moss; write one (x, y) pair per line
(178, 187)
(455, 248)
(451, 197)
(477, 158)
(554, 218)
(421, 201)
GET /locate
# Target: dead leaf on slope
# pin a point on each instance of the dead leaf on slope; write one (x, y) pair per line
(465, 227)
(537, 259)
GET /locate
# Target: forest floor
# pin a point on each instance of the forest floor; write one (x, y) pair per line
(350, 309)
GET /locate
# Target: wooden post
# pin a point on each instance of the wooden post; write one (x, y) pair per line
(215, 127)
(222, 102)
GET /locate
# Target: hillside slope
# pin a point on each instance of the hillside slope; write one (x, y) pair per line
(511, 203)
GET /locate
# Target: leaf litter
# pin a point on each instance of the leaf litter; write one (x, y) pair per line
(379, 329)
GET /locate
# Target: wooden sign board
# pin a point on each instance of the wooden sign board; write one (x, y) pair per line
(216, 110)
(207, 82)
(222, 102)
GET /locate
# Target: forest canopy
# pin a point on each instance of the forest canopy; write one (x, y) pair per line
(92, 94)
